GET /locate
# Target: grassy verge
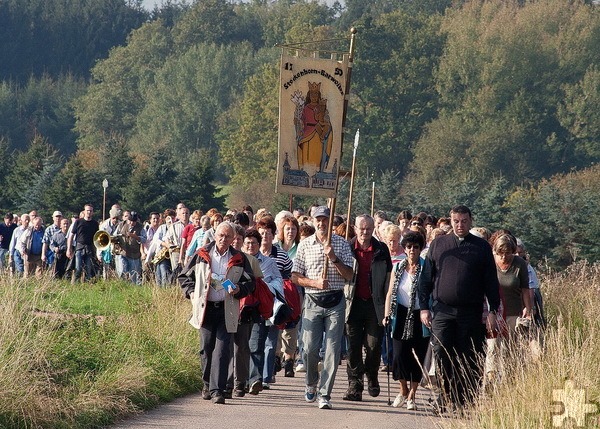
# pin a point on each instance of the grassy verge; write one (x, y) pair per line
(82, 356)
(524, 397)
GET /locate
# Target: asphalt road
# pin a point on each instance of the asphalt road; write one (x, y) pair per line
(283, 406)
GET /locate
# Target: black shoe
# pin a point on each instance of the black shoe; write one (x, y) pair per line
(374, 388)
(239, 393)
(227, 394)
(277, 364)
(352, 395)
(256, 387)
(205, 393)
(288, 367)
(218, 399)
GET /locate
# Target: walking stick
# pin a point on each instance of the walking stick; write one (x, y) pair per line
(387, 348)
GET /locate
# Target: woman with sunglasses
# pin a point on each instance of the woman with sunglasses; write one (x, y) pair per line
(402, 312)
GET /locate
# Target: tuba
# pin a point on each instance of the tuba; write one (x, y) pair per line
(103, 240)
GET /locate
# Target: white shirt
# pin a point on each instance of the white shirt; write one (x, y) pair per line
(218, 268)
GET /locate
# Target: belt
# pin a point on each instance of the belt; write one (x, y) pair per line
(215, 304)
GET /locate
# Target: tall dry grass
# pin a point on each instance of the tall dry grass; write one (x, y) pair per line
(571, 351)
(65, 370)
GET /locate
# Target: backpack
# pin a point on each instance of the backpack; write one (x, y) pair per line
(293, 299)
(261, 299)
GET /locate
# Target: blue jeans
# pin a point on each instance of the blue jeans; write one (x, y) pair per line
(258, 337)
(163, 273)
(316, 322)
(19, 264)
(132, 269)
(83, 260)
(3, 260)
(270, 346)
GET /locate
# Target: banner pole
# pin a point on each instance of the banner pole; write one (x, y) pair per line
(356, 138)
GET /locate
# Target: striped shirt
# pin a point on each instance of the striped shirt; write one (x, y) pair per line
(310, 260)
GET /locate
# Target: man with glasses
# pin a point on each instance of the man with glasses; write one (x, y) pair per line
(365, 308)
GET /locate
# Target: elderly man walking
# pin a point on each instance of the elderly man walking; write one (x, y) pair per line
(365, 302)
(223, 276)
(324, 303)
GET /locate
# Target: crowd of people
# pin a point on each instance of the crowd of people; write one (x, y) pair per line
(418, 296)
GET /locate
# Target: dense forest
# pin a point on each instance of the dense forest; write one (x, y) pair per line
(494, 104)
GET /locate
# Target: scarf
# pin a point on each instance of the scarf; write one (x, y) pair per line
(409, 323)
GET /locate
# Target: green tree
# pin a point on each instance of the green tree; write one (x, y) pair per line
(149, 188)
(189, 94)
(116, 95)
(73, 187)
(501, 82)
(194, 183)
(248, 140)
(207, 21)
(557, 218)
(392, 86)
(32, 174)
(56, 37)
(580, 113)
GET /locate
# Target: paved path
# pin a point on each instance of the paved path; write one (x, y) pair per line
(283, 406)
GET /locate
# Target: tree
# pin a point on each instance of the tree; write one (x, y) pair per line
(394, 96)
(32, 174)
(248, 141)
(501, 82)
(116, 95)
(207, 21)
(58, 37)
(73, 187)
(189, 94)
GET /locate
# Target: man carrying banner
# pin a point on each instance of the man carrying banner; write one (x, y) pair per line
(324, 304)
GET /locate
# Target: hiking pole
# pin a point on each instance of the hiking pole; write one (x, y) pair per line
(387, 348)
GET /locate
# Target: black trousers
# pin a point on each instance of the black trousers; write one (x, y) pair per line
(458, 346)
(214, 348)
(363, 330)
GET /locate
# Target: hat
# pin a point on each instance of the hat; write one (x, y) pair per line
(321, 211)
(114, 212)
(56, 213)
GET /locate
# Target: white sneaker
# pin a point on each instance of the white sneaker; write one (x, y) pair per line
(324, 404)
(300, 368)
(399, 401)
(410, 404)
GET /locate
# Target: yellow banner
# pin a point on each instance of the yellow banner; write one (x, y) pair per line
(311, 114)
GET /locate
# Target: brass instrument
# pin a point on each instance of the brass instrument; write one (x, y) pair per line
(161, 255)
(103, 240)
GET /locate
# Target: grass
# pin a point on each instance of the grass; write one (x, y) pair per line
(524, 396)
(83, 356)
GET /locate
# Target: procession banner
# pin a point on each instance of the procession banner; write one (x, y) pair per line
(311, 115)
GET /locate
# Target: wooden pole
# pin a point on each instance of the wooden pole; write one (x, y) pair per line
(356, 138)
(373, 200)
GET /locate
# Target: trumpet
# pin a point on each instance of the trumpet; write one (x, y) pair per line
(103, 240)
